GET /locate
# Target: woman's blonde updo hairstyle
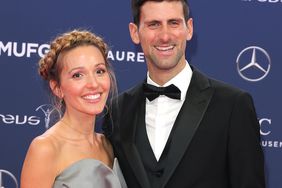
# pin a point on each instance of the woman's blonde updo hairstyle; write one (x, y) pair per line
(50, 69)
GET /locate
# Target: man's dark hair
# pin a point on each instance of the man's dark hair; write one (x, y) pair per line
(137, 4)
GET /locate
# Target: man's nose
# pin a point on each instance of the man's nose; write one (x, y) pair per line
(165, 33)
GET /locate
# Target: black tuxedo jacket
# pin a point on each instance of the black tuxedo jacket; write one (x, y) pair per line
(216, 143)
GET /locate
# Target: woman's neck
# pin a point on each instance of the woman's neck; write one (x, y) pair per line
(79, 125)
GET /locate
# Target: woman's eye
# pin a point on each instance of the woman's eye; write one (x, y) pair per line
(76, 75)
(100, 71)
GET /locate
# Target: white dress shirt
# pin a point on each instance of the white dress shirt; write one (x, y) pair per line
(162, 112)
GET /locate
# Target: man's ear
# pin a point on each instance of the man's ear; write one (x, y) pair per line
(133, 30)
(56, 89)
(190, 29)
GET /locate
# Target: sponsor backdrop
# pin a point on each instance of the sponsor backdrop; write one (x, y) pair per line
(236, 41)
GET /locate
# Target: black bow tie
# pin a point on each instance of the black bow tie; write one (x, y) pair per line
(152, 92)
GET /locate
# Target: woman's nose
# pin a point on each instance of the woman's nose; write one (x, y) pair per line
(92, 82)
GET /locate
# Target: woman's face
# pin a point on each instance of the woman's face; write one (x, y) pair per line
(85, 81)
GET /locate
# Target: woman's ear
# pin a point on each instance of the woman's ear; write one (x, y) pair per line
(56, 88)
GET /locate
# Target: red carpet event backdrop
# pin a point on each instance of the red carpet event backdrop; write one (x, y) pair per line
(238, 41)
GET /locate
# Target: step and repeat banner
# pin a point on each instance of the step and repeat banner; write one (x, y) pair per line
(238, 41)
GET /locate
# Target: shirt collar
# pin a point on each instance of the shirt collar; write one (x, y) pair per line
(184, 74)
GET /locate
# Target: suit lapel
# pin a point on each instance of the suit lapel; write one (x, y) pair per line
(129, 121)
(197, 100)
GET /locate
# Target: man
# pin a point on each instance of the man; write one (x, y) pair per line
(205, 136)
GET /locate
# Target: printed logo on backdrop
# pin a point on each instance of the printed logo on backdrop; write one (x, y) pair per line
(17, 119)
(266, 130)
(253, 63)
(48, 111)
(24, 49)
(7, 178)
(27, 49)
(264, 1)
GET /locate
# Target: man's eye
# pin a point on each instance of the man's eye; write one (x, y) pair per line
(174, 23)
(153, 25)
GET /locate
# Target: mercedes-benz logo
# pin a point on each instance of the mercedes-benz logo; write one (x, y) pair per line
(253, 63)
(48, 109)
(8, 176)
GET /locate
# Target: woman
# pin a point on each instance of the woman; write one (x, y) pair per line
(70, 153)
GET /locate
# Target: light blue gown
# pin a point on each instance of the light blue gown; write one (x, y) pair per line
(90, 173)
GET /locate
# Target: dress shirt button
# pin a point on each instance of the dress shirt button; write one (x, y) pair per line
(158, 173)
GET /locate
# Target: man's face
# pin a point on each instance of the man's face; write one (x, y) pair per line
(162, 34)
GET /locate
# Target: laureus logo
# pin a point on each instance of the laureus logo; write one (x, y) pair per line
(264, 1)
(6, 178)
(48, 110)
(253, 63)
